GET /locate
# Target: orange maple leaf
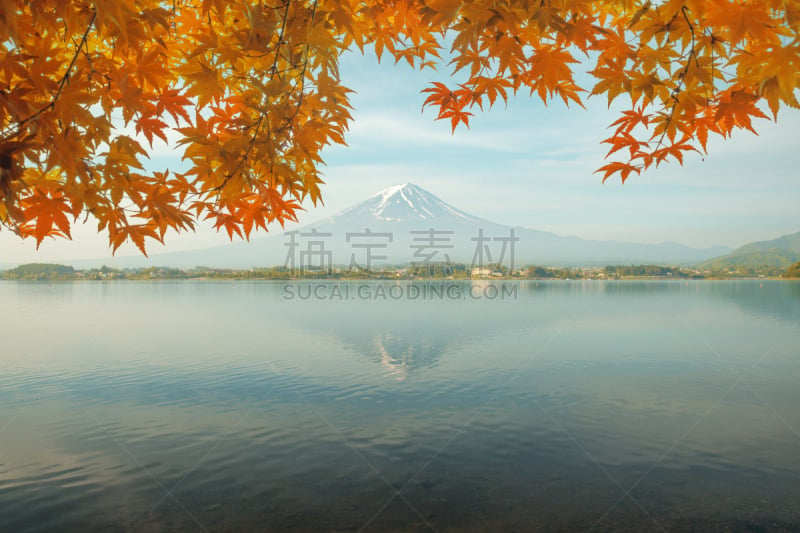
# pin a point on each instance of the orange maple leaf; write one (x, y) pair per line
(42, 212)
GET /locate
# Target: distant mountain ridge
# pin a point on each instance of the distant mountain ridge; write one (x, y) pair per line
(781, 252)
(405, 223)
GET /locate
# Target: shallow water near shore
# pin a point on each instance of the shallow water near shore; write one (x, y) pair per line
(494, 406)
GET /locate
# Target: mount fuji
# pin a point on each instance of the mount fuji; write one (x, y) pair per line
(406, 223)
(405, 203)
(400, 209)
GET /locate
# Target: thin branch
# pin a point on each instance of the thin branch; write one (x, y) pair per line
(64, 79)
(305, 66)
(681, 77)
(274, 68)
(256, 129)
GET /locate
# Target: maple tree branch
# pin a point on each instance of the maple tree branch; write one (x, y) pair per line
(274, 68)
(8, 172)
(696, 58)
(305, 66)
(273, 72)
(712, 66)
(681, 78)
(63, 81)
(256, 129)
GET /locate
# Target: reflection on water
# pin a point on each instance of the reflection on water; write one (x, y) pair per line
(402, 355)
(223, 406)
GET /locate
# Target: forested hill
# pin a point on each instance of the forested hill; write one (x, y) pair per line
(37, 271)
(781, 252)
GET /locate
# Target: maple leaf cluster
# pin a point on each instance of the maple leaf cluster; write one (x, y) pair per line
(249, 92)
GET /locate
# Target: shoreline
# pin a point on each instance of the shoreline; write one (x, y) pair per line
(387, 279)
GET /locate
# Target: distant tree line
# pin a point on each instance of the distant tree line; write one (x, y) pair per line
(55, 272)
(642, 270)
(40, 271)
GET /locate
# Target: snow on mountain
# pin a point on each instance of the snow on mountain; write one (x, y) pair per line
(401, 203)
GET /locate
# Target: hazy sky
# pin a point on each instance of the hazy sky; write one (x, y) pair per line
(526, 165)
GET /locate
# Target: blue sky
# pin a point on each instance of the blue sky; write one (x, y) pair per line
(524, 164)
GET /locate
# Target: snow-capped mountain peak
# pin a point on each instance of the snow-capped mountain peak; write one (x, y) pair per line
(406, 203)
(390, 196)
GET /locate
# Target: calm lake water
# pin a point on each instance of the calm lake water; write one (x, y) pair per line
(219, 406)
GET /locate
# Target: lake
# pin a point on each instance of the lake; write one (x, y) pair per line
(377, 406)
